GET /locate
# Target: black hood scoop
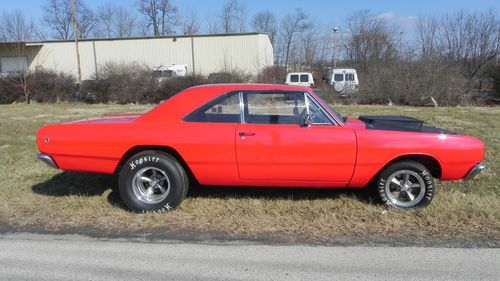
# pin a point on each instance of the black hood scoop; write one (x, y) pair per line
(399, 123)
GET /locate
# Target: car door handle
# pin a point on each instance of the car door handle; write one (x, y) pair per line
(246, 134)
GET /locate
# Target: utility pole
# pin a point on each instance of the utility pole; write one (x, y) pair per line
(75, 32)
(334, 59)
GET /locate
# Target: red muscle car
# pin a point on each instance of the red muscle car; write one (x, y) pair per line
(259, 135)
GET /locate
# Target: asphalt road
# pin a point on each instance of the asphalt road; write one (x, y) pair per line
(50, 257)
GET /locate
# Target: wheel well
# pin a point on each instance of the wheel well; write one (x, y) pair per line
(429, 162)
(137, 149)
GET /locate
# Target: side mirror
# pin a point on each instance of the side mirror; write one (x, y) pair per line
(308, 121)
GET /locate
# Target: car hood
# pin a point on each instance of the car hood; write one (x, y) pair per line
(112, 118)
(393, 123)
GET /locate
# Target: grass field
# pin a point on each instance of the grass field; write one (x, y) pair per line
(35, 196)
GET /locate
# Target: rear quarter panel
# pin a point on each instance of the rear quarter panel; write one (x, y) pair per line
(376, 148)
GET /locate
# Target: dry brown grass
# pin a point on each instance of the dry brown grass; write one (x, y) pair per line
(35, 196)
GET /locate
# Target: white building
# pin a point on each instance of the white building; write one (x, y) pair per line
(203, 54)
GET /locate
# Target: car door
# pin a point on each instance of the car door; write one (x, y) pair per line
(273, 143)
(209, 147)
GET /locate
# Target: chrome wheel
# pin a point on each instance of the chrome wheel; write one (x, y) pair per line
(150, 185)
(405, 188)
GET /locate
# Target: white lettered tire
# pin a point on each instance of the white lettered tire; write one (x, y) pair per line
(406, 185)
(152, 181)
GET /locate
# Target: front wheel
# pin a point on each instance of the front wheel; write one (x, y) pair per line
(152, 181)
(406, 185)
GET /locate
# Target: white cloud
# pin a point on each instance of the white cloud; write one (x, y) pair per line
(387, 16)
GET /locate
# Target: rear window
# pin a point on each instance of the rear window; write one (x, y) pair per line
(224, 109)
(349, 77)
(338, 77)
(304, 78)
(294, 78)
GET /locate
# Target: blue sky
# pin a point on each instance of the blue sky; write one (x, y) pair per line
(324, 13)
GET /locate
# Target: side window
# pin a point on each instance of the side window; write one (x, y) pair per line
(338, 77)
(294, 78)
(318, 116)
(304, 78)
(224, 109)
(274, 107)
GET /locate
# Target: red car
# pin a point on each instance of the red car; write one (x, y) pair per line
(259, 135)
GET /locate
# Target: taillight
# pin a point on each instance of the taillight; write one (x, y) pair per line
(311, 85)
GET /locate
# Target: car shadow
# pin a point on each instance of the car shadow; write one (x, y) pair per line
(81, 184)
(90, 184)
(272, 193)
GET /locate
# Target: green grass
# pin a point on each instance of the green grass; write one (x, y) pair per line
(35, 196)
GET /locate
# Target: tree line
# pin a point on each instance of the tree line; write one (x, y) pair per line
(456, 52)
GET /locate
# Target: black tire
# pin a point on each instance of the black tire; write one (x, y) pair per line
(406, 185)
(152, 181)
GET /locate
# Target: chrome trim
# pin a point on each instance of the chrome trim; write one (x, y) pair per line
(47, 160)
(474, 171)
(322, 109)
(242, 108)
(306, 102)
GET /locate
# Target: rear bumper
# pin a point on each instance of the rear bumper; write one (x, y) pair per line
(474, 171)
(47, 160)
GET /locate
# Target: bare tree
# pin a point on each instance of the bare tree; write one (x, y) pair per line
(213, 26)
(370, 40)
(292, 25)
(87, 20)
(265, 22)
(57, 16)
(469, 39)
(15, 26)
(116, 21)
(162, 15)
(233, 17)
(309, 48)
(190, 24)
(427, 28)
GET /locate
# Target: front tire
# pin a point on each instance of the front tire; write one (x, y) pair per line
(406, 185)
(152, 181)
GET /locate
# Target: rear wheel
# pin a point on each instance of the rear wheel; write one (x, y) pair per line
(406, 185)
(152, 181)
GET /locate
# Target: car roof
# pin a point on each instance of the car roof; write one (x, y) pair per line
(242, 86)
(299, 73)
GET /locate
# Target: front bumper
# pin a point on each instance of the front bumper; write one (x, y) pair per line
(47, 160)
(474, 171)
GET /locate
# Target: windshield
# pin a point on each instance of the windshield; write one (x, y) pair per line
(339, 116)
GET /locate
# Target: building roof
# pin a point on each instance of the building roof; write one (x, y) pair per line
(136, 38)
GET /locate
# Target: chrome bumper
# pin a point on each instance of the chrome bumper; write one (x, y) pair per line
(47, 160)
(474, 171)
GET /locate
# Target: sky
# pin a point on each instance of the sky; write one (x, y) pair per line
(326, 13)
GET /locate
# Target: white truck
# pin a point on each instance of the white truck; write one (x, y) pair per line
(344, 80)
(300, 79)
(167, 71)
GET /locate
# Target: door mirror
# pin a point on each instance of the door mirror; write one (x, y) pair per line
(308, 121)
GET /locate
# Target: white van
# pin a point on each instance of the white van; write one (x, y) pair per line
(165, 72)
(344, 80)
(300, 79)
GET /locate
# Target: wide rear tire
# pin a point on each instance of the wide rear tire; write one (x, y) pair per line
(152, 181)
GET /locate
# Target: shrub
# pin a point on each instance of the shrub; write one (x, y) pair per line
(49, 86)
(273, 74)
(232, 76)
(10, 90)
(175, 85)
(122, 83)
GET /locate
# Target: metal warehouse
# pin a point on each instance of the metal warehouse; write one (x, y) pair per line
(203, 54)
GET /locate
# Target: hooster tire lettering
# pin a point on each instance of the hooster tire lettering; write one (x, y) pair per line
(143, 160)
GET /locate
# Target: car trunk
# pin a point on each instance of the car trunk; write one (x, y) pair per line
(113, 118)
